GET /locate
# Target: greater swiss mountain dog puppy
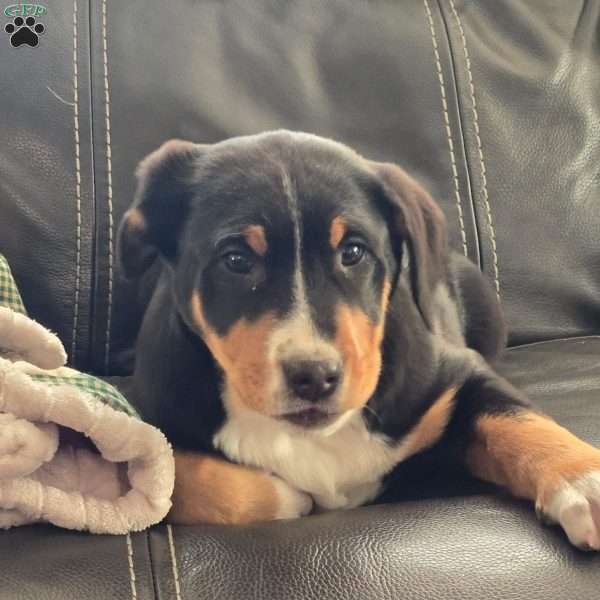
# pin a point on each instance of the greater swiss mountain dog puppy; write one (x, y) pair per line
(310, 330)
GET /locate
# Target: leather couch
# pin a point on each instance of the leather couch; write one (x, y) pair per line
(493, 104)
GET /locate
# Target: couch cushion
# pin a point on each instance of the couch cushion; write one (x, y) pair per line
(520, 112)
(469, 544)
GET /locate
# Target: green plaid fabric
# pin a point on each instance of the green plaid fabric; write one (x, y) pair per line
(106, 393)
(9, 294)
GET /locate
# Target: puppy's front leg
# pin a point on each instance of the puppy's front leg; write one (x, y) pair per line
(208, 489)
(536, 458)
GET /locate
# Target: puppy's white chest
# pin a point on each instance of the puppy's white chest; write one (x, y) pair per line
(340, 470)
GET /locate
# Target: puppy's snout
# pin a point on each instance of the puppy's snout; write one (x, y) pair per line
(312, 380)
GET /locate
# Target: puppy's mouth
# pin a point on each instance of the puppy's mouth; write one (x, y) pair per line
(309, 417)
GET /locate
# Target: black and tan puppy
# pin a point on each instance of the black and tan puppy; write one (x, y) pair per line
(311, 330)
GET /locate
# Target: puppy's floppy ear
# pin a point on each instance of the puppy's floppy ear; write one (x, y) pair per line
(161, 203)
(419, 221)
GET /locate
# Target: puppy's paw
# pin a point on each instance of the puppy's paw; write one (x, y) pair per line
(576, 507)
(291, 503)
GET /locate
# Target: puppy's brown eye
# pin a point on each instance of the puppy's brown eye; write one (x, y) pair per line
(238, 263)
(352, 253)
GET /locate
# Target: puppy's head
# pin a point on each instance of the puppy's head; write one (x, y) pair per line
(285, 249)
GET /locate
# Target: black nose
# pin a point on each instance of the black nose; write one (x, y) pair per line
(312, 379)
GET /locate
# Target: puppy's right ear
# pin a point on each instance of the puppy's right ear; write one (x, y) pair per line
(153, 223)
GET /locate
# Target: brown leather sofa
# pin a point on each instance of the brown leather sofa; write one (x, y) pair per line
(493, 104)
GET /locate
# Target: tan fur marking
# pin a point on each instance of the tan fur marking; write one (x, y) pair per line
(530, 454)
(337, 231)
(359, 340)
(256, 239)
(432, 424)
(135, 220)
(212, 490)
(242, 354)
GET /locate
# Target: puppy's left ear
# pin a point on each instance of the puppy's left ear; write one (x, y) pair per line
(153, 223)
(415, 218)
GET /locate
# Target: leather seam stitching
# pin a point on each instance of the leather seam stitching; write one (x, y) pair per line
(132, 579)
(174, 562)
(449, 136)
(552, 340)
(77, 187)
(109, 187)
(151, 560)
(479, 148)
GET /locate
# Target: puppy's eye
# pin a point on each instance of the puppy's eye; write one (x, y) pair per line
(352, 253)
(238, 262)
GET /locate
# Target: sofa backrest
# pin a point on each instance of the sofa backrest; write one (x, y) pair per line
(493, 105)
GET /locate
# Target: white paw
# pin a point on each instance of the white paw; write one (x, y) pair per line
(576, 506)
(292, 503)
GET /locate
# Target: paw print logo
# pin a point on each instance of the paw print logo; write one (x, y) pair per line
(24, 31)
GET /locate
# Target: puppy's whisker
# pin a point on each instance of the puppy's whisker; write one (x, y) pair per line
(373, 412)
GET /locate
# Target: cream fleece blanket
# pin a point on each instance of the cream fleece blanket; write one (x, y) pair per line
(66, 457)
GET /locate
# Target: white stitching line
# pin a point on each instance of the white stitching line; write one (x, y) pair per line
(77, 185)
(479, 148)
(110, 191)
(131, 569)
(580, 338)
(438, 66)
(174, 562)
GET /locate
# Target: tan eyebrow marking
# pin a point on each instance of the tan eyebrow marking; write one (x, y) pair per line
(256, 239)
(337, 231)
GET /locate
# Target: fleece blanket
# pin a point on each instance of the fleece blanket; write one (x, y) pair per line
(73, 451)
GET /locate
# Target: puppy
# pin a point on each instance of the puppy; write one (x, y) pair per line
(311, 330)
